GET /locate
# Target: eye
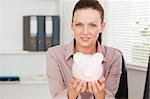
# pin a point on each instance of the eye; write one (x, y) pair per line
(78, 24)
(93, 25)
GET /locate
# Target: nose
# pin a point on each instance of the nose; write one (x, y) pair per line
(85, 30)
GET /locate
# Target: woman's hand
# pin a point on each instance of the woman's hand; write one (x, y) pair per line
(97, 88)
(75, 88)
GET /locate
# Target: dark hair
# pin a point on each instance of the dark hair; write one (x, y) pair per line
(94, 4)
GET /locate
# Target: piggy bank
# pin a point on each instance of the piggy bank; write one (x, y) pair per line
(87, 67)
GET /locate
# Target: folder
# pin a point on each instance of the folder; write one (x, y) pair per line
(30, 33)
(52, 31)
(56, 30)
(41, 33)
(48, 31)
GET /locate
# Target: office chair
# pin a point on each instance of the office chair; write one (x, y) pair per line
(122, 92)
(146, 89)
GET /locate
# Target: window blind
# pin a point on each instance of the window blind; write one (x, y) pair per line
(129, 30)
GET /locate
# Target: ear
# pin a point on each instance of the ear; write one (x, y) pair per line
(98, 57)
(102, 27)
(78, 57)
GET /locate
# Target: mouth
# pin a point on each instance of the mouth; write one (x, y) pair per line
(85, 38)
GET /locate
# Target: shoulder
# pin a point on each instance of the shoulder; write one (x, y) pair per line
(57, 50)
(111, 52)
(113, 59)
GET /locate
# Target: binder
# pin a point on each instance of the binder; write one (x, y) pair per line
(52, 31)
(56, 30)
(41, 33)
(48, 31)
(29, 33)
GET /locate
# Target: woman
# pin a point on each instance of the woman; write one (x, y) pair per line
(87, 25)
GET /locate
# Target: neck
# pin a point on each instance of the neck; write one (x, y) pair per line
(86, 50)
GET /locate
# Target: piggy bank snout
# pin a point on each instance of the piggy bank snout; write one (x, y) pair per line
(88, 72)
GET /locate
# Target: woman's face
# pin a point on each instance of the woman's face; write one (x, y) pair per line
(86, 26)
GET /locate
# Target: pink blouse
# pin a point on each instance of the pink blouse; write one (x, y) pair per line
(59, 70)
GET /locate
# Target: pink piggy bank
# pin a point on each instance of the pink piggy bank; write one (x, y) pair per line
(87, 67)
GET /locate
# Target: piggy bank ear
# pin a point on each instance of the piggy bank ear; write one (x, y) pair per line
(98, 57)
(78, 57)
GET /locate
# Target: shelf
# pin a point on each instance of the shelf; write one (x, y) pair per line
(34, 82)
(28, 80)
(19, 52)
(25, 82)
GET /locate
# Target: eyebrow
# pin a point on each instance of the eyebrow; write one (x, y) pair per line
(81, 22)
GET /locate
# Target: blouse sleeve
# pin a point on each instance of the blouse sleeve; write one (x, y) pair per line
(56, 84)
(114, 73)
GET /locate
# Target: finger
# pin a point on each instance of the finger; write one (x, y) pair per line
(73, 79)
(102, 80)
(75, 83)
(90, 88)
(84, 87)
(103, 85)
(79, 86)
(99, 86)
(94, 87)
(71, 82)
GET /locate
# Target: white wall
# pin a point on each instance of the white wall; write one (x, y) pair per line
(66, 16)
(1, 25)
(11, 36)
(11, 16)
(24, 64)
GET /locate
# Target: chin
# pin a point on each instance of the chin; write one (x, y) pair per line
(85, 44)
